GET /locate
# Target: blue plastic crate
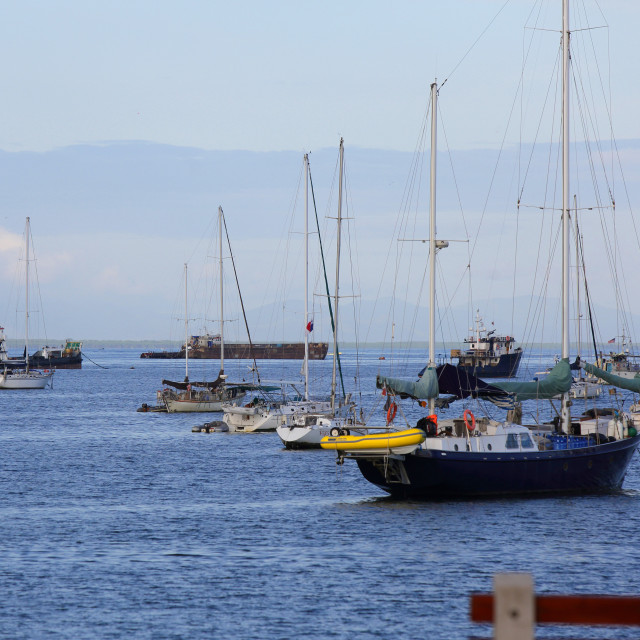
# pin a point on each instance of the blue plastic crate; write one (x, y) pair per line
(568, 442)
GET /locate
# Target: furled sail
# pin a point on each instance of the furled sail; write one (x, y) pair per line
(183, 386)
(424, 389)
(458, 382)
(630, 384)
(558, 381)
(445, 379)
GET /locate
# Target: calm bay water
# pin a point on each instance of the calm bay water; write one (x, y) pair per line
(121, 524)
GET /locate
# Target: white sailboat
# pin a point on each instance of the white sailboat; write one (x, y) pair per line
(272, 415)
(202, 397)
(305, 427)
(25, 378)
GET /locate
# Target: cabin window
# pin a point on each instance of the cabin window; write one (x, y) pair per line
(512, 441)
(525, 440)
(489, 447)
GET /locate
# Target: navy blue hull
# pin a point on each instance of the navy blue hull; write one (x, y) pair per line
(506, 367)
(434, 474)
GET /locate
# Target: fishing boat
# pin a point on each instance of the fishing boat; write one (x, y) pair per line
(27, 377)
(469, 457)
(67, 356)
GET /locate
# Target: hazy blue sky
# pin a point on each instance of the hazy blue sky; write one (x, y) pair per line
(115, 114)
(279, 75)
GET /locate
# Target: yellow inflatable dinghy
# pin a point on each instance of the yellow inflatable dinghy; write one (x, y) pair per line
(392, 441)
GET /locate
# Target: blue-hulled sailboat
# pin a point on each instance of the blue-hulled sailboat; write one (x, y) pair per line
(469, 457)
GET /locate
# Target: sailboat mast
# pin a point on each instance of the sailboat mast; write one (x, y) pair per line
(186, 328)
(26, 313)
(221, 296)
(432, 236)
(306, 276)
(577, 239)
(565, 413)
(335, 305)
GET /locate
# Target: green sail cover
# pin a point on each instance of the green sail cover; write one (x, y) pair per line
(425, 389)
(558, 381)
(631, 384)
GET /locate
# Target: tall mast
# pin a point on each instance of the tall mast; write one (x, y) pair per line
(335, 304)
(432, 237)
(577, 239)
(26, 314)
(565, 414)
(306, 276)
(221, 296)
(186, 328)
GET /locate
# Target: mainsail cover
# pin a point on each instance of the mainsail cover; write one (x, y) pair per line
(424, 389)
(459, 382)
(630, 384)
(446, 379)
(183, 386)
(557, 382)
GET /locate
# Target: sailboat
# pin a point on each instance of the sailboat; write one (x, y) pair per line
(202, 397)
(26, 378)
(304, 426)
(469, 457)
(267, 413)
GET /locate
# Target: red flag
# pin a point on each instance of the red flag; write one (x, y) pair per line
(611, 341)
(310, 326)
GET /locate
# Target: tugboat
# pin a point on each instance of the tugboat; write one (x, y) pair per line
(487, 355)
(68, 356)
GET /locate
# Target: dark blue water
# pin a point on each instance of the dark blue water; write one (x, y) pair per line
(120, 524)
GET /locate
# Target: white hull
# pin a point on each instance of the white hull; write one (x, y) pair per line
(307, 431)
(193, 406)
(249, 419)
(31, 380)
(303, 437)
(249, 422)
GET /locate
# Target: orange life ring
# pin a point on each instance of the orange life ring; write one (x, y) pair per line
(467, 413)
(391, 412)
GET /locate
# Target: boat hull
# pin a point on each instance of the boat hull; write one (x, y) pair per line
(430, 474)
(245, 351)
(185, 405)
(24, 380)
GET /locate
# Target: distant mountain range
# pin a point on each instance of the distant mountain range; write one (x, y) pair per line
(114, 223)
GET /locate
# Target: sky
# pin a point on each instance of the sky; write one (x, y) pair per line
(110, 90)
